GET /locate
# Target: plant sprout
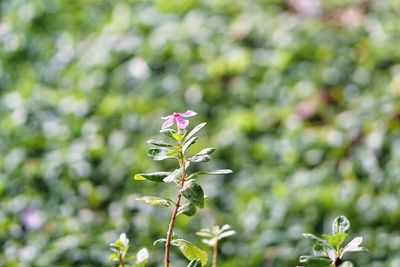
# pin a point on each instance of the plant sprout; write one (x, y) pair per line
(212, 237)
(329, 250)
(120, 249)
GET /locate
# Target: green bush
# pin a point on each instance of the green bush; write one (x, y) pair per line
(302, 101)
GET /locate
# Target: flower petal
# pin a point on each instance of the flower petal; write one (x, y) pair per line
(166, 117)
(182, 124)
(189, 113)
(168, 123)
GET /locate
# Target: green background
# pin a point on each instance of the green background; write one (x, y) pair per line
(302, 100)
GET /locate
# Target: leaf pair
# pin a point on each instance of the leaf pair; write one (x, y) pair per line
(214, 234)
(328, 250)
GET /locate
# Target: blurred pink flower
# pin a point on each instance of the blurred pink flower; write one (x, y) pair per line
(306, 7)
(32, 218)
(306, 109)
(178, 118)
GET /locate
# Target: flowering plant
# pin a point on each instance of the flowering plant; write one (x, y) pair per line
(190, 195)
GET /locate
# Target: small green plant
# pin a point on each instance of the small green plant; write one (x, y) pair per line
(190, 195)
(329, 250)
(120, 254)
(213, 235)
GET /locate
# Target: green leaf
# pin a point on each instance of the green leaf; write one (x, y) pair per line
(161, 240)
(159, 143)
(173, 176)
(206, 151)
(174, 152)
(318, 249)
(188, 209)
(353, 246)
(159, 153)
(157, 201)
(195, 130)
(316, 261)
(190, 251)
(216, 172)
(179, 136)
(226, 234)
(195, 263)
(168, 132)
(314, 239)
(335, 240)
(113, 257)
(340, 225)
(204, 158)
(194, 193)
(188, 143)
(153, 176)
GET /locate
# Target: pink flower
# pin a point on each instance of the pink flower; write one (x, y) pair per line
(178, 118)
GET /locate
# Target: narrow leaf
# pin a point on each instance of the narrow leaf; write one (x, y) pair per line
(195, 130)
(226, 234)
(319, 250)
(188, 143)
(157, 201)
(314, 239)
(204, 233)
(204, 158)
(161, 240)
(316, 261)
(173, 176)
(354, 246)
(154, 176)
(206, 151)
(159, 153)
(216, 172)
(159, 143)
(168, 132)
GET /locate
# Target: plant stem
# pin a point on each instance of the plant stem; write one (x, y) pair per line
(215, 256)
(337, 262)
(121, 260)
(182, 164)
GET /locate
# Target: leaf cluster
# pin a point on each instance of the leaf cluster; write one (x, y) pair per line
(120, 254)
(190, 189)
(214, 234)
(329, 250)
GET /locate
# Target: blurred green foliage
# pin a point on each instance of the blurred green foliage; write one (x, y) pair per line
(302, 100)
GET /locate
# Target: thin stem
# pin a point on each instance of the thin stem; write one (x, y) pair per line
(182, 163)
(215, 256)
(121, 260)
